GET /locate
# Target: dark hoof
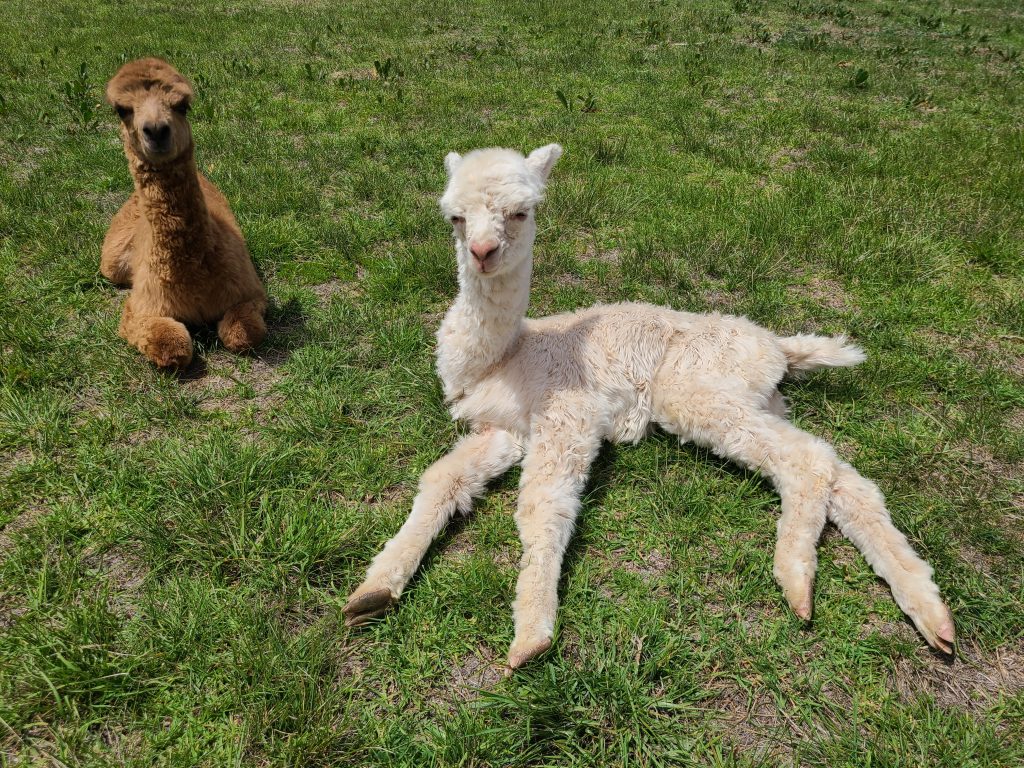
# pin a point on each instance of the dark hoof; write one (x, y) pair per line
(370, 605)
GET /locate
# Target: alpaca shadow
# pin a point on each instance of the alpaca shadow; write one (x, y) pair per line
(287, 331)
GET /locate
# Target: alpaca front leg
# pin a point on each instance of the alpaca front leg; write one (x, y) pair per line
(450, 484)
(554, 475)
(164, 340)
(243, 328)
(858, 508)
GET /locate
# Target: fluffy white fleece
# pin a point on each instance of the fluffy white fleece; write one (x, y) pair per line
(548, 391)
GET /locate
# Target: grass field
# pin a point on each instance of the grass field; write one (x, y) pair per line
(175, 550)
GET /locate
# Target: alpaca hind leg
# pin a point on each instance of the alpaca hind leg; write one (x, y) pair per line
(858, 508)
(802, 467)
(554, 474)
(119, 244)
(449, 485)
(242, 328)
(164, 340)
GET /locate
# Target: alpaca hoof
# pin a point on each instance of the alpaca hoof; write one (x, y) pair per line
(172, 355)
(242, 333)
(523, 651)
(361, 608)
(798, 589)
(168, 344)
(239, 342)
(802, 603)
(943, 636)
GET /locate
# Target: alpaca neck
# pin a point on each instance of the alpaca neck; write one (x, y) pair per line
(483, 324)
(173, 204)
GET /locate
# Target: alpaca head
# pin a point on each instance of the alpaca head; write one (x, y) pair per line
(490, 200)
(152, 100)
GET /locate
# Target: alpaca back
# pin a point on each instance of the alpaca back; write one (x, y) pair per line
(604, 358)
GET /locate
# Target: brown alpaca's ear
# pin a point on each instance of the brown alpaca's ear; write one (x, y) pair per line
(112, 93)
(117, 99)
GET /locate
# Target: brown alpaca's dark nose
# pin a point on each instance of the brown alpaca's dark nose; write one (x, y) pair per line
(157, 134)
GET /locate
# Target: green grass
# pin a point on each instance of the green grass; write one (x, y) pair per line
(176, 550)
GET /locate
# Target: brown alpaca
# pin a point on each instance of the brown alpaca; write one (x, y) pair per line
(175, 241)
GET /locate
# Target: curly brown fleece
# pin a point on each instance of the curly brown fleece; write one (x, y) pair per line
(175, 241)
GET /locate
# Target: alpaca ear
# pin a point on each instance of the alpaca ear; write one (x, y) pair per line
(452, 161)
(542, 160)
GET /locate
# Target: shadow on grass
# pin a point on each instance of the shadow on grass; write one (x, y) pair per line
(287, 331)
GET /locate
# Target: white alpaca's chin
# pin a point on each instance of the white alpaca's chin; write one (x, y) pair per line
(489, 267)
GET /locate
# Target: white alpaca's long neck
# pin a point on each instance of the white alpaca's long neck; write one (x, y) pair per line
(483, 323)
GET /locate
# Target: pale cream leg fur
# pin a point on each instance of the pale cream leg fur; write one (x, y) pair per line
(812, 483)
(563, 444)
(449, 485)
(858, 508)
(802, 467)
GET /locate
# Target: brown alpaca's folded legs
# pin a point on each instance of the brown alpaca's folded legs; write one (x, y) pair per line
(242, 328)
(164, 340)
(119, 243)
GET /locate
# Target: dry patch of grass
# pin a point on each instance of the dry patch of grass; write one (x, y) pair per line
(824, 292)
(972, 683)
(478, 670)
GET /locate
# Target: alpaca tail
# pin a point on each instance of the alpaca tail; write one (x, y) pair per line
(806, 352)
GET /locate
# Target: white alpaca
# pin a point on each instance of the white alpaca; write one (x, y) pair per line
(548, 391)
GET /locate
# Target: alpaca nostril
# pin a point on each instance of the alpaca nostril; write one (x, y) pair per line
(484, 251)
(157, 133)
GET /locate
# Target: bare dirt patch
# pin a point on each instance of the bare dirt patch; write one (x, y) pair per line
(478, 670)
(228, 383)
(982, 349)
(718, 297)
(972, 683)
(459, 547)
(10, 461)
(124, 572)
(998, 470)
(608, 256)
(752, 722)
(354, 73)
(390, 495)
(790, 159)
(653, 564)
(324, 292)
(1015, 420)
(824, 292)
(26, 519)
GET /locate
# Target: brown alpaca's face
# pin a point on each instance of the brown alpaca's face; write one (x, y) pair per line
(154, 122)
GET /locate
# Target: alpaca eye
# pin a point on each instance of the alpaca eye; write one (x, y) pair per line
(520, 216)
(181, 107)
(123, 112)
(456, 220)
